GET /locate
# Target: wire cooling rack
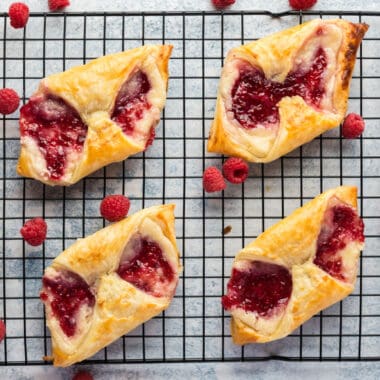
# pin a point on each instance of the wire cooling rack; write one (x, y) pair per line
(194, 328)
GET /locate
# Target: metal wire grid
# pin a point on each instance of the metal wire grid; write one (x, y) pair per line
(194, 328)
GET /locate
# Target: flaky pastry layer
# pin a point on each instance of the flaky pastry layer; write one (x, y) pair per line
(292, 244)
(276, 55)
(91, 90)
(119, 305)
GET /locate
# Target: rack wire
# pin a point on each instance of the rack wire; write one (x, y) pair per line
(194, 328)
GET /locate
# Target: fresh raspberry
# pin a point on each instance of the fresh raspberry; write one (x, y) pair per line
(213, 180)
(223, 3)
(301, 5)
(18, 14)
(58, 4)
(114, 207)
(353, 126)
(34, 231)
(9, 101)
(235, 170)
(83, 375)
(2, 330)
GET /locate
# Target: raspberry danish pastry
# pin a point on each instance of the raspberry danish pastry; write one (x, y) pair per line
(92, 115)
(301, 265)
(107, 284)
(283, 90)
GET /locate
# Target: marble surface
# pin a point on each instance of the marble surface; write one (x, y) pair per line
(190, 5)
(260, 370)
(206, 371)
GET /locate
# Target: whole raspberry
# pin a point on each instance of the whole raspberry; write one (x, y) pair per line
(34, 231)
(18, 14)
(235, 170)
(2, 330)
(301, 5)
(83, 375)
(222, 3)
(353, 126)
(213, 180)
(58, 4)
(114, 207)
(9, 101)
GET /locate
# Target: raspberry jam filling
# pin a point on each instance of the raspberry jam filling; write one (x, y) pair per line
(341, 225)
(131, 102)
(262, 287)
(56, 127)
(148, 269)
(67, 294)
(255, 98)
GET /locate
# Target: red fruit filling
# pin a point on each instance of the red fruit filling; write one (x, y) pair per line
(255, 98)
(341, 225)
(131, 102)
(148, 269)
(152, 136)
(67, 293)
(262, 287)
(56, 127)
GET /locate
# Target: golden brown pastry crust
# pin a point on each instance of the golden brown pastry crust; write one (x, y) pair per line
(119, 305)
(299, 122)
(92, 90)
(292, 243)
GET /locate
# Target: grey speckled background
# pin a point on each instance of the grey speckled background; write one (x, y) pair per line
(191, 5)
(133, 169)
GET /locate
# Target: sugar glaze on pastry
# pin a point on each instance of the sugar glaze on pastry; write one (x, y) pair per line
(92, 115)
(105, 285)
(283, 90)
(299, 266)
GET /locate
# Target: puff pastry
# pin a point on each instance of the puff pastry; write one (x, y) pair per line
(92, 115)
(301, 265)
(283, 90)
(105, 285)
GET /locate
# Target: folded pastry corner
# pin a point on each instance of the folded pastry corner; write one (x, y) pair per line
(92, 115)
(285, 89)
(296, 268)
(106, 284)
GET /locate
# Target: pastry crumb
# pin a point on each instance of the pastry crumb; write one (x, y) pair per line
(227, 230)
